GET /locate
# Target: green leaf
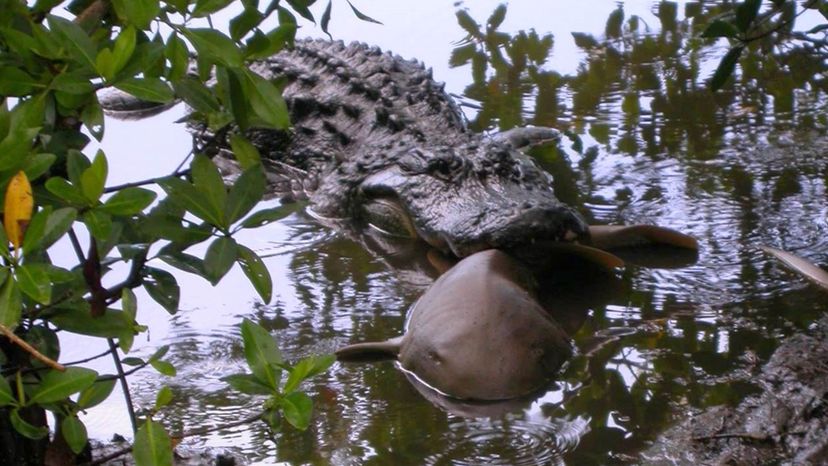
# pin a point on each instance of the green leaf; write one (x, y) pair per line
(129, 304)
(247, 383)
(56, 386)
(215, 46)
(76, 163)
(208, 7)
(265, 216)
(256, 272)
(273, 418)
(163, 398)
(720, 28)
(34, 280)
(122, 51)
(746, 12)
(297, 408)
(93, 118)
(128, 201)
(74, 432)
(197, 95)
(497, 17)
(725, 68)
(326, 19)
(362, 16)
(163, 367)
(96, 393)
(38, 164)
(15, 148)
(177, 53)
(169, 227)
(466, 22)
(150, 89)
(64, 190)
(26, 429)
(261, 353)
(16, 82)
(245, 152)
(210, 185)
(187, 197)
(82, 47)
(220, 256)
(163, 288)
(462, 55)
(137, 12)
(45, 340)
(6, 395)
(73, 83)
(78, 319)
(245, 193)
(183, 261)
(267, 102)
(235, 92)
(10, 304)
(93, 178)
(160, 353)
(245, 22)
(99, 224)
(152, 445)
(34, 232)
(57, 224)
(307, 368)
(301, 7)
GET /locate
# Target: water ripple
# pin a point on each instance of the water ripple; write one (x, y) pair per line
(515, 442)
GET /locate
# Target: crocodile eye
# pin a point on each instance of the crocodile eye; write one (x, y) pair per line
(446, 166)
(387, 216)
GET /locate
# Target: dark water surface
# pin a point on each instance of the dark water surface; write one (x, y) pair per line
(745, 167)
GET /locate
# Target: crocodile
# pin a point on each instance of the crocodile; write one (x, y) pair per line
(377, 141)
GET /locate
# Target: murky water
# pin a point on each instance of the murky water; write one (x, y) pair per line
(739, 169)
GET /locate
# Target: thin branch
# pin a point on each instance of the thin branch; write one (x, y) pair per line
(131, 281)
(125, 374)
(85, 360)
(30, 349)
(134, 184)
(76, 245)
(189, 433)
(113, 348)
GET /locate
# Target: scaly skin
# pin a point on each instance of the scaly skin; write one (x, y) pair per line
(377, 142)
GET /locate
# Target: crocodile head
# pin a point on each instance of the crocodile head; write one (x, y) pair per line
(460, 199)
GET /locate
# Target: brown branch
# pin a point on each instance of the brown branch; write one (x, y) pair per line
(91, 17)
(131, 281)
(30, 349)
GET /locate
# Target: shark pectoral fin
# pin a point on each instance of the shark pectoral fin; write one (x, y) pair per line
(370, 351)
(800, 266)
(620, 236)
(601, 258)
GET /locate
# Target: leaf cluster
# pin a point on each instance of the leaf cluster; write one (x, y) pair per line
(52, 65)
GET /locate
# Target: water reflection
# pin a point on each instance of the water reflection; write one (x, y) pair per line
(650, 144)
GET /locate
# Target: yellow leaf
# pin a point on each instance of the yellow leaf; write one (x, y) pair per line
(18, 209)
